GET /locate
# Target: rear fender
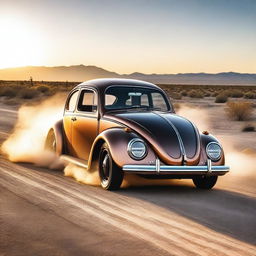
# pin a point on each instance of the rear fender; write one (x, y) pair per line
(58, 132)
(117, 140)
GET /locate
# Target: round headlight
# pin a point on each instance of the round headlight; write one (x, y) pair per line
(213, 151)
(137, 149)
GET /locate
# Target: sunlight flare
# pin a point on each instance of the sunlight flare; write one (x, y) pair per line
(20, 43)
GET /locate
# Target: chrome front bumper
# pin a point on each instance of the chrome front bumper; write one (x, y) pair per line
(208, 169)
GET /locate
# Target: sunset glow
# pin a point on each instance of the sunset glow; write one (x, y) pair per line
(130, 36)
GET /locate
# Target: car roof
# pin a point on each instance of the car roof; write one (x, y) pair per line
(103, 83)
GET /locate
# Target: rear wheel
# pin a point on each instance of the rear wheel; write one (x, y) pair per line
(110, 174)
(50, 142)
(205, 182)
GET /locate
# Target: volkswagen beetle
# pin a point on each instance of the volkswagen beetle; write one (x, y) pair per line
(117, 126)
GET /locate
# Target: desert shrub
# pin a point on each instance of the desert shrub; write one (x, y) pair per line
(184, 93)
(12, 102)
(9, 92)
(43, 88)
(176, 106)
(176, 96)
(250, 95)
(249, 128)
(195, 94)
(29, 93)
(236, 93)
(239, 111)
(221, 98)
(214, 94)
(207, 93)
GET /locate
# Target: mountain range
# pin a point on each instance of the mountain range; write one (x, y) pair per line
(79, 73)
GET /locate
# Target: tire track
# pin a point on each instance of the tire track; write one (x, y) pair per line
(220, 240)
(171, 236)
(93, 211)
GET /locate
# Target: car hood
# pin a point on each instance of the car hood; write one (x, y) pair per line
(174, 138)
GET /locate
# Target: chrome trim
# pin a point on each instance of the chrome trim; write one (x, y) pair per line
(157, 166)
(214, 142)
(129, 148)
(209, 166)
(177, 170)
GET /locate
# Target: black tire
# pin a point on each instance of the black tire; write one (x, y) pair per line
(111, 176)
(206, 182)
(50, 142)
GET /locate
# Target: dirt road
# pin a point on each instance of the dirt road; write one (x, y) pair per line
(44, 213)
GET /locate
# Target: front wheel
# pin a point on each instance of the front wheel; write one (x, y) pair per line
(205, 182)
(110, 174)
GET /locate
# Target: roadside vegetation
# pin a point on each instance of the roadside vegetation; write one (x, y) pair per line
(19, 92)
(239, 111)
(239, 101)
(249, 128)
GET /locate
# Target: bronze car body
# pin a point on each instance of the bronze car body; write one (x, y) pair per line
(122, 125)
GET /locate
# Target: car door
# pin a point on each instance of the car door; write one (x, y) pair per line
(68, 118)
(85, 125)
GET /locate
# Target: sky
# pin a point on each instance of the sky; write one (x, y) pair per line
(160, 36)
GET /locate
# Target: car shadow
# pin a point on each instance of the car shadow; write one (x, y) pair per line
(230, 213)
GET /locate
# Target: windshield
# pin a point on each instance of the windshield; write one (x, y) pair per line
(124, 97)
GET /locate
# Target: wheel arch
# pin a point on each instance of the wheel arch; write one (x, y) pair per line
(58, 131)
(117, 139)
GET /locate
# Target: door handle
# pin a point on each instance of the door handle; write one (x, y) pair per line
(73, 118)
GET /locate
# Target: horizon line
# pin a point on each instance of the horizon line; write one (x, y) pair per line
(135, 72)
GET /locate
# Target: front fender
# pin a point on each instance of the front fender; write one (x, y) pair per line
(117, 140)
(205, 139)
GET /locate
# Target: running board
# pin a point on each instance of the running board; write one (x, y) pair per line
(73, 160)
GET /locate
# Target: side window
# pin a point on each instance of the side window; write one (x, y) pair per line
(110, 99)
(159, 101)
(87, 101)
(144, 100)
(71, 104)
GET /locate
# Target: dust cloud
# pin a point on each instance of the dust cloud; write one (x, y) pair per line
(242, 163)
(26, 142)
(196, 115)
(82, 176)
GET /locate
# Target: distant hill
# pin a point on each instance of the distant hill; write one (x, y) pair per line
(82, 73)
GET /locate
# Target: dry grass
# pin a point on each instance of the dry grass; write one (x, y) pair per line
(250, 95)
(239, 111)
(176, 96)
(29, 93)
(184, 93)
(221, 98)
(43, 88)
(236, 93)
(195, 94)
(9, 92)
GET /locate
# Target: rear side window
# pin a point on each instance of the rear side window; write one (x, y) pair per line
(71, 104)
(87, 101)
